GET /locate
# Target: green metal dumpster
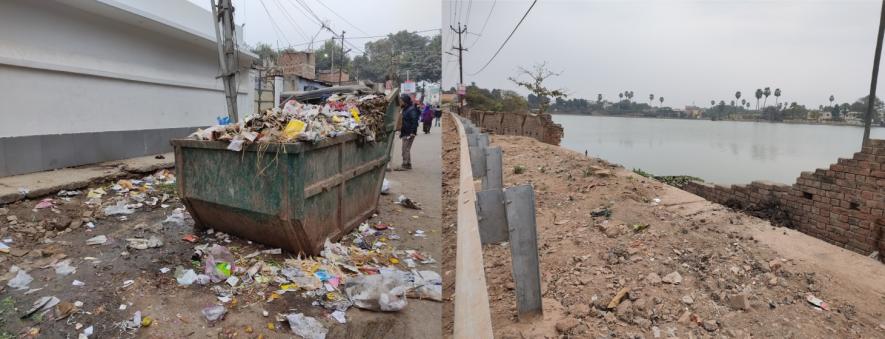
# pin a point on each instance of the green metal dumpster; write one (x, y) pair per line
(292, 196)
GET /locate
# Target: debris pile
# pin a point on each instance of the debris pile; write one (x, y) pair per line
(340, 114)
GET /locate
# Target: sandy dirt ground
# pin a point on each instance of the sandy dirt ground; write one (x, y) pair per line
(684, 267)
(450, 175)
(118, 280)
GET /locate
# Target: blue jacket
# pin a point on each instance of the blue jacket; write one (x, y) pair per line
(410, 121)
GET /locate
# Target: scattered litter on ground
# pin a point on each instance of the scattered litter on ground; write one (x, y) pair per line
(818, 303)
(306, 327)
(97, 240)
(21, 280)
(120, 208)
(385, 291)
(143, 244)
(63, 268)
(407, 203)
(214, 313)
(385, 187)
(43, 305)
(45, 203)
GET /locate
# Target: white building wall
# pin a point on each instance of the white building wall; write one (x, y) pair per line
(69, 70)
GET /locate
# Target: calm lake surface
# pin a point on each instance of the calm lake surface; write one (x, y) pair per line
(722, 152)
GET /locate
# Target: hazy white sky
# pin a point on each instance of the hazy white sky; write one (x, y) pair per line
(685, 50)
(294, 27)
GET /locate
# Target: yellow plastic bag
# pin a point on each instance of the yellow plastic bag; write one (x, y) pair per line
(355, 113)
(293, 129)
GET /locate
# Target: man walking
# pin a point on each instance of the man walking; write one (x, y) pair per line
(408, 131)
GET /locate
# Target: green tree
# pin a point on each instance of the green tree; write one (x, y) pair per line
(758, 96)
(777, 95)
(737, 96)
(599, 98)
(651, 98)
(537, 75)
(661, 99)
(330, 52)
(392, 57)
(265, 52)
(766, 92)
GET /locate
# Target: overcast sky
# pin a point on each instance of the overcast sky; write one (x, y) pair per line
(687, 51)
(360, 19)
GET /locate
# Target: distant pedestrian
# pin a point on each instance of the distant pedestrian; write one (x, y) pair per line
(408, 131)
(437, 114)
(427, 118)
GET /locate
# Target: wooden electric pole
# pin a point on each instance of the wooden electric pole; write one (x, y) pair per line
(223, 12)
(871, 103)
(461, 50)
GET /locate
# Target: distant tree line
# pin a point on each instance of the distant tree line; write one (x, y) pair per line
(393, 57)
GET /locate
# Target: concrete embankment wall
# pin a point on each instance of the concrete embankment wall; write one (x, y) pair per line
(538, 126)
(843, 205)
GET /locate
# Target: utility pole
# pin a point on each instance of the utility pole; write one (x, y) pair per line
(223, 12)
(342, 58)
(461, 50)
(872, 98)
(332, 62)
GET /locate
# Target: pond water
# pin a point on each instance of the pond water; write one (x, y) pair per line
(722, 152)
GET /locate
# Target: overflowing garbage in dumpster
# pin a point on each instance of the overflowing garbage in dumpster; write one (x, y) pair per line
(340, 114)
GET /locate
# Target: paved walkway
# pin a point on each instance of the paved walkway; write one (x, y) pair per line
(38, 184)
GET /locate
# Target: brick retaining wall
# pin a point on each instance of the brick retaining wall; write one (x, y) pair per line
(843, 205)
(537, 126)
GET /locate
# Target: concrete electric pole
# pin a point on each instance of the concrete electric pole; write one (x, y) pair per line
(461, 50)
(340, 67)
(223, 12)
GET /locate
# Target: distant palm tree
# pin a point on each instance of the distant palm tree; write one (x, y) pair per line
(743, 102)
(621, 96)
(732, 103)
(737, 95)
(766, 92)
(758, 96)
(748, 105)
(661, 99)
(712, 103)
(831, 99)
(651, 99)
(777, 95)
(629, 95)
(599, 98)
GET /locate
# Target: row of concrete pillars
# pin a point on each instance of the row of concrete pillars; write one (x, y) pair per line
(507, 215)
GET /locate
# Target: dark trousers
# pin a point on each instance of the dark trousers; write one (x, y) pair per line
(407, 150)
(426, 127)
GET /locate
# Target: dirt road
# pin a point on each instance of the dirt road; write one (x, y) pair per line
(687, 268)
(113, 281)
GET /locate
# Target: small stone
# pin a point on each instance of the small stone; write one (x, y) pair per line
(565, 325)
(673, 278)
(775, 264)
(711, 325)
(653, 278)
(579, 310)
(4, 211)
(688, 300)
(656, 332)
(738, 302)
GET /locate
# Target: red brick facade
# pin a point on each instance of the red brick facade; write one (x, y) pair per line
(843, 205)
(540, 127)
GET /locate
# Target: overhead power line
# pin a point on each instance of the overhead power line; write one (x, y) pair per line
(483, 29)
(341, 17)
(508, 38)
(290, 18)
(279, 32)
